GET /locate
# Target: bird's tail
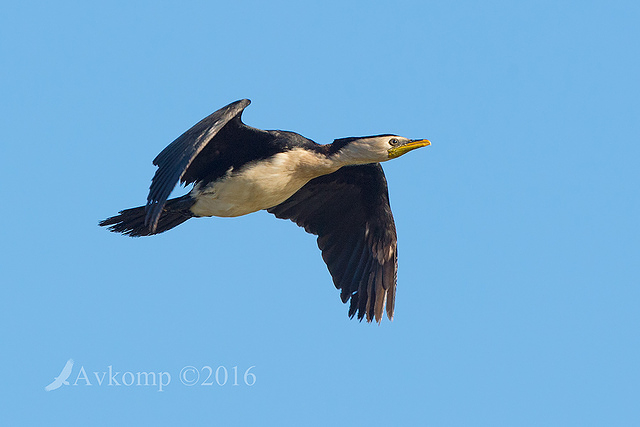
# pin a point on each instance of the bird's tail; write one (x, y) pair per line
(132, 221)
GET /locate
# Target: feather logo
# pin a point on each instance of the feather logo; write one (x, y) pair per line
(62, 378)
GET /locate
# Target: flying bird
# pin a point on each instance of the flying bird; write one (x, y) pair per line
(336, 191)
(62, 378)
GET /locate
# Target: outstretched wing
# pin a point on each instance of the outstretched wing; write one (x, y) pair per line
(349, 212)
(206, 151)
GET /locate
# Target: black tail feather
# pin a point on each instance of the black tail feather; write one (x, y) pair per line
(131, 222)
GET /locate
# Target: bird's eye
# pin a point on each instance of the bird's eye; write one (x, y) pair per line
(393, 142)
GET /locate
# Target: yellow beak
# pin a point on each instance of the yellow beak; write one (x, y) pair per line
(411, 145)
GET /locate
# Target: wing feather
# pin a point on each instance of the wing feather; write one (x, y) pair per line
(175, 160)
(349, 212)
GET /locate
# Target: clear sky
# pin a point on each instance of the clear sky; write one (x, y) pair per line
(519, 243)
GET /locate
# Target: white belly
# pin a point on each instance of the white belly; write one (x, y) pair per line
(258, 186)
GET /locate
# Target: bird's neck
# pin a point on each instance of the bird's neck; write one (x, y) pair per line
(350, 155)
(312, 164)
(307, 164)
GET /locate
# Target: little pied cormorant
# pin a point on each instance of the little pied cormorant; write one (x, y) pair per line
(336, 191)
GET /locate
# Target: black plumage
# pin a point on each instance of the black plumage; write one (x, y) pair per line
(349, 212)
(336, 191)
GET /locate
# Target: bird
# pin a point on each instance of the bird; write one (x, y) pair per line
(336, 191)
(62, 378)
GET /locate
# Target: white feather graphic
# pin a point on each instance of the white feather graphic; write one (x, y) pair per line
(62, 378)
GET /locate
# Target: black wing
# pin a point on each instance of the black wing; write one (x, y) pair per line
(204, 153)
(349, 212)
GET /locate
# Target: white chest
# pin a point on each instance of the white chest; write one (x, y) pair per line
(260, 185)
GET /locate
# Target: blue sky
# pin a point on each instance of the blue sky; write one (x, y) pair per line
(519, 277)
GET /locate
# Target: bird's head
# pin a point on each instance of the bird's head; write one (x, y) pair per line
(374, 149)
